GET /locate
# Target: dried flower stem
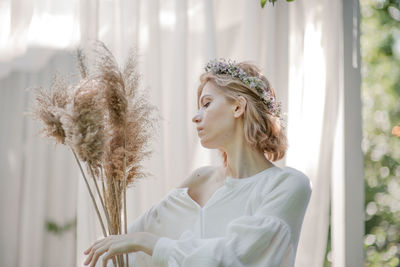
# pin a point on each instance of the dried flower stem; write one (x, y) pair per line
(125, 219)
(119, 261)
(105, 202)
(115, 261)
(117, 197)
(101, 199)
(90, 193)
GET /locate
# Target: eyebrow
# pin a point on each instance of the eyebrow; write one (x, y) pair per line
(204, 96)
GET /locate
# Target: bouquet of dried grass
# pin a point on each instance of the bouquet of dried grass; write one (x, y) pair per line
(107, 125)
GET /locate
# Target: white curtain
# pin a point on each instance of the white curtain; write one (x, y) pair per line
(315, 80)
(38, 182)
(295, 43)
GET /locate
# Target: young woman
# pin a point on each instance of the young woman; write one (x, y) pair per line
(247, 212)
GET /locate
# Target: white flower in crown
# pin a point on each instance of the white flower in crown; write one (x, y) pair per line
(229, 67)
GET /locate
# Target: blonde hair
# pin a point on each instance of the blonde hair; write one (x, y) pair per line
(262, 130)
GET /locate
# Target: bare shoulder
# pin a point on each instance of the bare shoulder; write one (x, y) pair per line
(199, 175)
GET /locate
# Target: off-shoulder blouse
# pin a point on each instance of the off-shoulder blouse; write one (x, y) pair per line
(252, 221)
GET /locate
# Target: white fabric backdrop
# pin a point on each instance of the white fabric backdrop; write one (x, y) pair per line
(296, 44)
(38, 182)
(315, 79)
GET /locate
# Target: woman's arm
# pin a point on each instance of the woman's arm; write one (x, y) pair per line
(120, 244)
(133, 241)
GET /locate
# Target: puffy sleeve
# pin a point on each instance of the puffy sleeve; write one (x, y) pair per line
(138, 224)
(266, 238)
(138, 258)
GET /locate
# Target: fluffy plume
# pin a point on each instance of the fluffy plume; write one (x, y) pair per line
(82, 64)
(85, 123)
(109, 75)
(49, 107)
(131, 75)
(140, 126)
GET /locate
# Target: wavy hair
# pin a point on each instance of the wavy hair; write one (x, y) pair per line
(262, 130)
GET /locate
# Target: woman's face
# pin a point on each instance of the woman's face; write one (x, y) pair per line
(215, 119)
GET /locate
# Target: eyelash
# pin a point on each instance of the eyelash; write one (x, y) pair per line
(206, 104)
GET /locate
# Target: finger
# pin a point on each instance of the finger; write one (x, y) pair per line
(89, 258)
(110, 253)
(94, 250)
(87, 251)
(94, 244)
(98, 253)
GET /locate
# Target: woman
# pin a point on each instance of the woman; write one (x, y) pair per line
(247, 212)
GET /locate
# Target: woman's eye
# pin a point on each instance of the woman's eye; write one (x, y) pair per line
(206, 104)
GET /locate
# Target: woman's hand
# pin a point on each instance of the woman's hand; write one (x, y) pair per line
(120, 244)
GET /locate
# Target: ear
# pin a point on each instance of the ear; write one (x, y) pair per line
(239, 107)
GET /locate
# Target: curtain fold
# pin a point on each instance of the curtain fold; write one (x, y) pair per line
(38, 180)
(295, 44)
(314, 84)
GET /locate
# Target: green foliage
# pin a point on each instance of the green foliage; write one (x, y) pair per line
(53, 227)
(380, 52)
(380, 92)
(263, 2)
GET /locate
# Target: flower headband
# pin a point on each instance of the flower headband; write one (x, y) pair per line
(224, 67)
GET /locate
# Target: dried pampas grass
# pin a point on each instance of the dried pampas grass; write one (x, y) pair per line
(129, 122)
(49, 108)
(85, 123)
(108, 126)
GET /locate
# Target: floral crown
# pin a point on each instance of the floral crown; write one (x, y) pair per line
(229, 67)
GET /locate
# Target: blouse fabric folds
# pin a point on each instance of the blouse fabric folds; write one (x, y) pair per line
(252, 221)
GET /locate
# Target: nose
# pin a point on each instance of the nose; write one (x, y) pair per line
(196, 118)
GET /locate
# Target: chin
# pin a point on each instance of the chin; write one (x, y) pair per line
(204, 144)
(208, 144)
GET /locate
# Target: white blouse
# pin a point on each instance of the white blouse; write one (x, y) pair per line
(252, 221)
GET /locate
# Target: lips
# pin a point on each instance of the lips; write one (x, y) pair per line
(199, 130)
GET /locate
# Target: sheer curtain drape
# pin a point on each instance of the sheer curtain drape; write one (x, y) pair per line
(315, 80)
(38, 183)
(296, 44)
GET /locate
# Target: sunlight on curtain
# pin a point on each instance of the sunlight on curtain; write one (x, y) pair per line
(314, 104)
(57, 31)
(25, 23)
(4, 23)
(307, 100)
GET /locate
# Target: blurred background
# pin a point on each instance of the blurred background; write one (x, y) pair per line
(380, 50)
(333, 64)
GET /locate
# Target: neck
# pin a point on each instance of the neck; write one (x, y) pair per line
(243, 160)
